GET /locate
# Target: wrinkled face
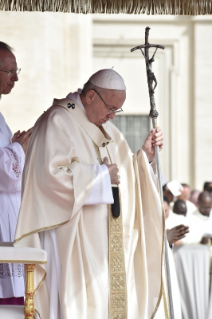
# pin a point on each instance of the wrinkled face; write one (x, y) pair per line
(97, 111)
(8, 62)
(167, 209)
(205, 206)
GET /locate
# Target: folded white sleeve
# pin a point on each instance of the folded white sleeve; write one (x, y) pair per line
(101, 192)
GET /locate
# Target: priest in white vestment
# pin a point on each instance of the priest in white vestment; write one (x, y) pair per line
(185, 196)
(200, 222)
(105, 247)
(178, 214)
(174, 191)
(12, 159)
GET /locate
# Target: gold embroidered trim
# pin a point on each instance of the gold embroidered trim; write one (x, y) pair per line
(118, 285)
(98, 153)
(117, 272)
(38, 230)
(23, 261)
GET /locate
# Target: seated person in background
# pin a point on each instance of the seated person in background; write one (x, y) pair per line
(194, 197)
(178, 214)
(207, 187)
(180, 207)
(200, 221)
(185, 195)
(172, 190)
(178, 232)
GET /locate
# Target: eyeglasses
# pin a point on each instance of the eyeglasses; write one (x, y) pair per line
(111, 111)
(11, 72)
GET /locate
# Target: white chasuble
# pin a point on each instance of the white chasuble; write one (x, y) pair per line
(58, 179)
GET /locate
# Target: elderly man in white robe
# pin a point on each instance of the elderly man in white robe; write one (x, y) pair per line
(12, 157)
(94, 207)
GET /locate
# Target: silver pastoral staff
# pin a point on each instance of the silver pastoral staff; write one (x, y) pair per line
(151, 79)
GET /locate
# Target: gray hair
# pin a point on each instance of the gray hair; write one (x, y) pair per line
(4, 46)
(87, 87)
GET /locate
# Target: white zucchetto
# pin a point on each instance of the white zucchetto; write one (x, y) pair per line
(108, 79)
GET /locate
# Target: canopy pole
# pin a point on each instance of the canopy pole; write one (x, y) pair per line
(154, 114)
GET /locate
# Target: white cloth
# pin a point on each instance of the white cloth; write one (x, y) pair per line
(175, 220)
(191, 208)
(101, 192)
(193, 273)
(49, 244)
(11, 166)
(199, 225)
(175, 290)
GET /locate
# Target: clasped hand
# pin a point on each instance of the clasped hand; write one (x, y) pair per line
(22, 138)
(155, 138)
(177, 233)
(113, 172)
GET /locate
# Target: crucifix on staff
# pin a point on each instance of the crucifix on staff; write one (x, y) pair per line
(152, 83)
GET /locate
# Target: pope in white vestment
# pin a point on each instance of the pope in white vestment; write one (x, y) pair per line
(99, 266)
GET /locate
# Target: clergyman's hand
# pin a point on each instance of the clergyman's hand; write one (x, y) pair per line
(113, 171)
(155, 138)
(176, 233)
(22, 138)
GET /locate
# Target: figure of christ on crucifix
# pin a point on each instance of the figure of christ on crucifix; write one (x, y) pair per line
(154, 114)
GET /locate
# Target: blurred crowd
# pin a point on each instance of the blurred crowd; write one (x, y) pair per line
(191, 208)
(188, 222)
